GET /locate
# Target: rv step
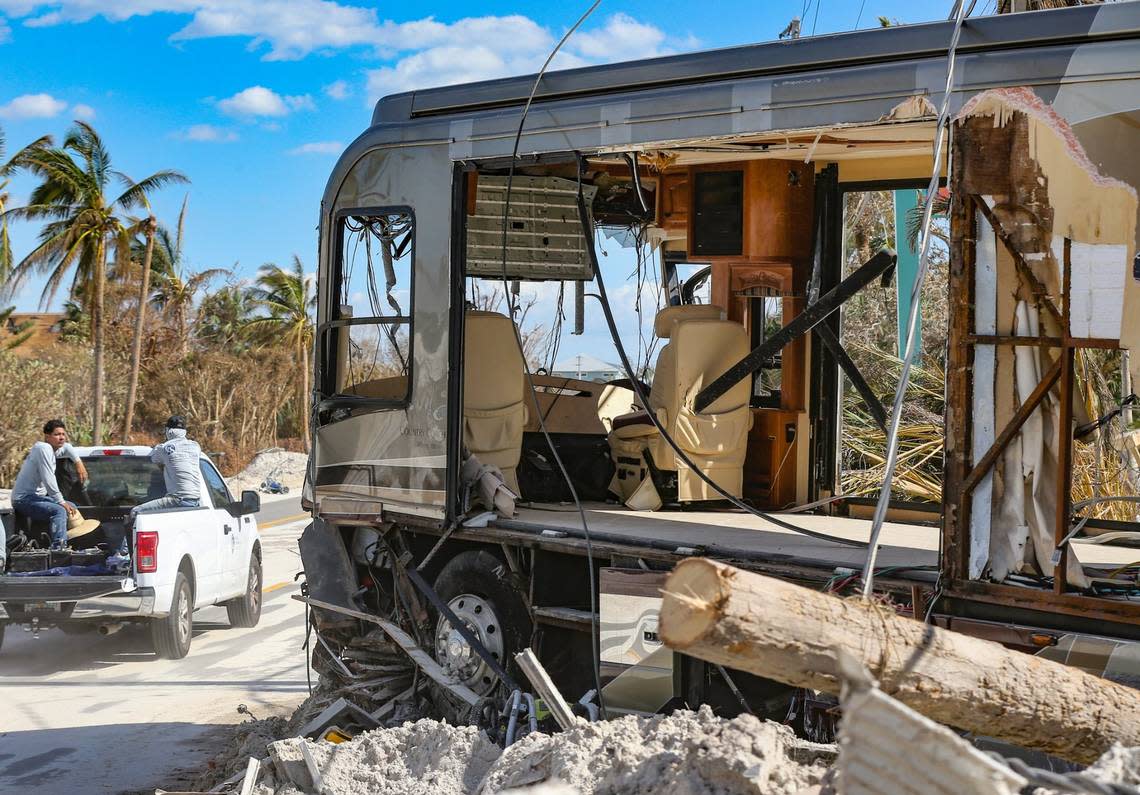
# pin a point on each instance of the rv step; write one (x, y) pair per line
(567, 617)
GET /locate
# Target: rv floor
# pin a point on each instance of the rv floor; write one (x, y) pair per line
(901, 544)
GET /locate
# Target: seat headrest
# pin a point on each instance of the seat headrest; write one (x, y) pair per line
(663, 323)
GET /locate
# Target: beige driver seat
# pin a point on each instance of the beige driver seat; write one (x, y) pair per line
(494, 392)
(702, 345)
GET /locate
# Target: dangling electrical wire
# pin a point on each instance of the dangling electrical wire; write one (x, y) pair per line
(596, 661)
(960, 12)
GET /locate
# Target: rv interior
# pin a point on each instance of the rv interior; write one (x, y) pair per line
(725, 243)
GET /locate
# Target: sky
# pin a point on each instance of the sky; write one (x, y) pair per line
(254, 99)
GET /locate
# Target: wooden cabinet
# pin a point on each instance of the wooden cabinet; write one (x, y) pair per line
(673, 201)
(773, 458)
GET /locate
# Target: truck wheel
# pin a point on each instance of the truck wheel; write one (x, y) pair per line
(245, 611)
(474, 585)
(171, 635)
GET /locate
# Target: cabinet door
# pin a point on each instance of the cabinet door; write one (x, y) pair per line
(674, 211)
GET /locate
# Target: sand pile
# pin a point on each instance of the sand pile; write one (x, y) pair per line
(687, 753)
(289, 468)
(1118, 765)
(683, 754)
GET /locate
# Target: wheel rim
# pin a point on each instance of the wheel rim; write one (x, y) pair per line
(183, 611)
(456, 656)
(254, 589)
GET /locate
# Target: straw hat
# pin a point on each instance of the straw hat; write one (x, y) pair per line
(78, 526)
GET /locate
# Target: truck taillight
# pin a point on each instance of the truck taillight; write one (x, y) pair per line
(146, 552)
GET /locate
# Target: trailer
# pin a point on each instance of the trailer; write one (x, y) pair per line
(733, 165)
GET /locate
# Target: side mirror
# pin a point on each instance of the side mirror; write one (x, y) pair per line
(250, 502)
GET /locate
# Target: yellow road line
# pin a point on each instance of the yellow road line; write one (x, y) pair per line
(277, 586)
(285, 520)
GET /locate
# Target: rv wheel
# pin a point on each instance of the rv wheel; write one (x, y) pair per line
(474, 585)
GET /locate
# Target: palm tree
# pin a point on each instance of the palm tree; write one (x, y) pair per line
(223, 318)
(176, 287)
(6, 170)
(287, 298)
(148, 226)
(80, 222)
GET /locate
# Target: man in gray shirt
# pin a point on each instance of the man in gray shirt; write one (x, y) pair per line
(36, 493)
(179, 458)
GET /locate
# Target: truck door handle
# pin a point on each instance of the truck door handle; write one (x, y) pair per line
(227, 529)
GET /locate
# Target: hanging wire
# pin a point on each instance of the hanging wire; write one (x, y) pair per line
(961, 11)
(596, 654)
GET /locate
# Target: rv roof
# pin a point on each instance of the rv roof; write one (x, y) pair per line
(1085, 23)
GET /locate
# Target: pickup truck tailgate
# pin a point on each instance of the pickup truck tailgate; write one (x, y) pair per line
(18, 590)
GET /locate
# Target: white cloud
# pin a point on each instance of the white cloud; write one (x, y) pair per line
(261, 101)
(485, 48)
(206, 133)
(419, 53)
(338, 90)
(85, 112)
(621, 38)
(33, 106)
(318, 148)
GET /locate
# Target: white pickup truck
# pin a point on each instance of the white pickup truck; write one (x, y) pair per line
(182, 559)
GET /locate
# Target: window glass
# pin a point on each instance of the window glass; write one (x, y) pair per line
(374, 293)
(219, 493)
(119, 480)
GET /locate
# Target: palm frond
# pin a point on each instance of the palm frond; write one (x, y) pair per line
(137, 193)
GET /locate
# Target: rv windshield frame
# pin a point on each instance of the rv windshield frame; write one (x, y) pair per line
(329, 398)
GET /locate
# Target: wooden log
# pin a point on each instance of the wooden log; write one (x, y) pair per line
(792, 634)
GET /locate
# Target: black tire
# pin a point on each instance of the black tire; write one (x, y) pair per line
(3, 625)
(245, 611)
(482, 574)
(171, 635)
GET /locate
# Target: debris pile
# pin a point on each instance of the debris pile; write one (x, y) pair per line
(370, 671)
(686, 753)
(280, 465)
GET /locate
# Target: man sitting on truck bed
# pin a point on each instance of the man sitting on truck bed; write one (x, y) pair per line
(178, 456)
(36, 494)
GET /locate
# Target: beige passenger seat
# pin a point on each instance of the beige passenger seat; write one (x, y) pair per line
(702, 345)
(494, 392)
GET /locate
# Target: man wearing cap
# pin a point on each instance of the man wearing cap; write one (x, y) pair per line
(178, 456)
(36, 493)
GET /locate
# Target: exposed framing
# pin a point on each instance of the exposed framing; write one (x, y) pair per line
(961, 475)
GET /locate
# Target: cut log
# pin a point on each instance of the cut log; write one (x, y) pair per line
(792, 634)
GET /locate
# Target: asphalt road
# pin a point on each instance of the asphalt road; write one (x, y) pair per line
(91, 714)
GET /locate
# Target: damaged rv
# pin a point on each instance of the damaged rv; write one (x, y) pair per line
(473, 506)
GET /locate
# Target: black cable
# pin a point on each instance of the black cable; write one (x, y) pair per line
(596, 661)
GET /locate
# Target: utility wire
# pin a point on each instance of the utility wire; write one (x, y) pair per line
(961, 10)
(596, 661)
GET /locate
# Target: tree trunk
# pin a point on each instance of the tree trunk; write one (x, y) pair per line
(794, 635)
(97, 343)
(140, 321)
(303, 405)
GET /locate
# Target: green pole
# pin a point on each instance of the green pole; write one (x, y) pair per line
(906, 270)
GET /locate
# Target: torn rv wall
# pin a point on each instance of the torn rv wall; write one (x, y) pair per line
(1097, 212)
(1023, 161)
